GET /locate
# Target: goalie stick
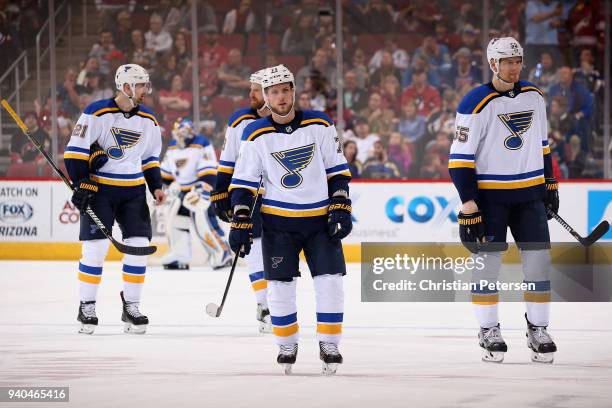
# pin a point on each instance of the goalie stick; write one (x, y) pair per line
(125, 249)
(600, 230)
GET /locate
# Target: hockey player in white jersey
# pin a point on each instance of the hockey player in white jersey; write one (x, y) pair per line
(306, 207)
(189, 168)
(113, 151)
(229, 155)
(501, 166)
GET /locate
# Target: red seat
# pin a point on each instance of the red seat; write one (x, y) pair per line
(370, 43)
(253, 61)
(223, 106)
(254, 45)
(230, 41)
(293, 62)
(22, 170)
(409, 42)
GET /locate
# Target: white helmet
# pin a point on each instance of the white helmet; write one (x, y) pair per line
(499, 48)
(279, 74)
(131, 74)
(258, 76)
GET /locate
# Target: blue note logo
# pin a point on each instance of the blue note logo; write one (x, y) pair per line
(517, 123)
(124, 139)
(294, 161)
(600, 209)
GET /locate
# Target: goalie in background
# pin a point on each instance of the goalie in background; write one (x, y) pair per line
(190, 168)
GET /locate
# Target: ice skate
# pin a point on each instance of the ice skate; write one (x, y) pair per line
(492, 343)
(540, 343)
(287, 355)
(264, 319)
(135, 322)
(87, 317)
(330, 356)
(176, 265)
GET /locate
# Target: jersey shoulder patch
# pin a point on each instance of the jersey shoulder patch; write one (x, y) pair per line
(240, 115)
(257, 128)
(527, 86)
(474, 101)
(99, 108)
(312, 117)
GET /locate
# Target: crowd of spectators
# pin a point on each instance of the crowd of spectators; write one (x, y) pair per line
(407, 64)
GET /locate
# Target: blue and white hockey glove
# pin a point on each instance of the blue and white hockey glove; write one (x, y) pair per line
(241, 234)
(551, 200)
(222, 205)
(85, 194)
(471, 231)
(339, 221)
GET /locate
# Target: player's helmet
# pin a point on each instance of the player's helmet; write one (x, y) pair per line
(279, 74)
(258, 76)
(182, 130)
(499, 48)
(131, 74)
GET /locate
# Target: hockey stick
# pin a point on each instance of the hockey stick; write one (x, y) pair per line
(125, 249)
(599, 231)
(211, 309)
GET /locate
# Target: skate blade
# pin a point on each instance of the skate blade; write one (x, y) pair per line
(492, 356)
(542, 358)
(288, 368)
(330, 368)
(130, 328)
(265, 328)
(87, 328)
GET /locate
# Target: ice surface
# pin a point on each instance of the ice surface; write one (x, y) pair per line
(396, 354)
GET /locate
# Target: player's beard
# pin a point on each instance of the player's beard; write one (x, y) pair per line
(283, 111)
(257, 104)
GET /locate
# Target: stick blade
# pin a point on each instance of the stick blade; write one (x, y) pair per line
(599, 231)
(212, 310)
(131, 250)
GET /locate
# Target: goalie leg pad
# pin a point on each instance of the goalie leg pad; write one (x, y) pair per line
(177, 231)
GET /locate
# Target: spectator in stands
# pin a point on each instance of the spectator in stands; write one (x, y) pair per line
(298, 38)
(212, 54)
(22, 151)
(544, 73)
(182, 54)
(67, 93)
(157, 39)
(586, 72)
(542, 20)
(463, 71)
(381, 120)
(107, 10)
(325, 25)
(303, 101)
(122, 31)
(418, 16)
(411, 124)
(451, 40)
(400, 152)
(359, 68)
(170, 14)
(175, 102)
(386, 68)
(102, 50)
(138, 53)
(444, 118)
(441, 147)
(211, 124)
(426, 96)
(471, 40)
(167, 69)
(579, 102)
(316, 88)
(207, 21)
(576, 157)
(96, 87)
(401, 59)
(234, 76)
(430, 170)
(363, 138)
(355, 98)
(84, 101)
(468, 15)
(585, 23)
(378, 166)
(91, 65)
(350, 153)
(419, 63)
(560, 123)
(376, 17)
(437, 55)
(391, 93)
(244, 19)
(318, 66)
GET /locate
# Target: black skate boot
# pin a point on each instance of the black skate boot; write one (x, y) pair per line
(492, 343)
(176, 265)
(264, 319)
(542, 346)
(135, 322)
(331, 357)
(87, 317)
(287, 354)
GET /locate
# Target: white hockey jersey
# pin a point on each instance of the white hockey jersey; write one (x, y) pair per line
(131, 140)
(233, 137)
(500, 150)
(296, 162)
(191, 164)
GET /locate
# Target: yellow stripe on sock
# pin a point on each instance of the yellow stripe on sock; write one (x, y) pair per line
(537, 297)
(133, 278)
(83, 277)
(325, 328)
(285, 331)
(260, 285)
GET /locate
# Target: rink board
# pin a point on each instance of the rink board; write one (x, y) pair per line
(38, 221)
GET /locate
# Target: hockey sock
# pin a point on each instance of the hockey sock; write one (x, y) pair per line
(536, 267)
(329, 295)
(90, 268)
(283, 311)
(485, 300)
(255, 262)
(134, 268)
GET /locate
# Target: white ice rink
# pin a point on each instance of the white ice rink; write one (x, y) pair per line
(396, 354)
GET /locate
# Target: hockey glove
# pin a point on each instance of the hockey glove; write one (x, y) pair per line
(551, 200)
(221, 204)
(241, 234)
(84, 194)
(471, 231)
(339, 221)
(97, 157)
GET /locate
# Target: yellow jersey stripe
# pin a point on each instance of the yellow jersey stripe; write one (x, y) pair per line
(150, 165)
(77, 156)
(148, 116)
(531, 88)
(105, 110)
(453, 164)
(225, 169)
(235, 186)
(293, 213)
(207, 172)
(259, 131)
(119, 183)
(484, 101)
(241, 118)
(546, 149)
(343, 172)
(492, 185)
(315, 120)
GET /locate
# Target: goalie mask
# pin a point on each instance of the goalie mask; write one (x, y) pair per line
(181, 131)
